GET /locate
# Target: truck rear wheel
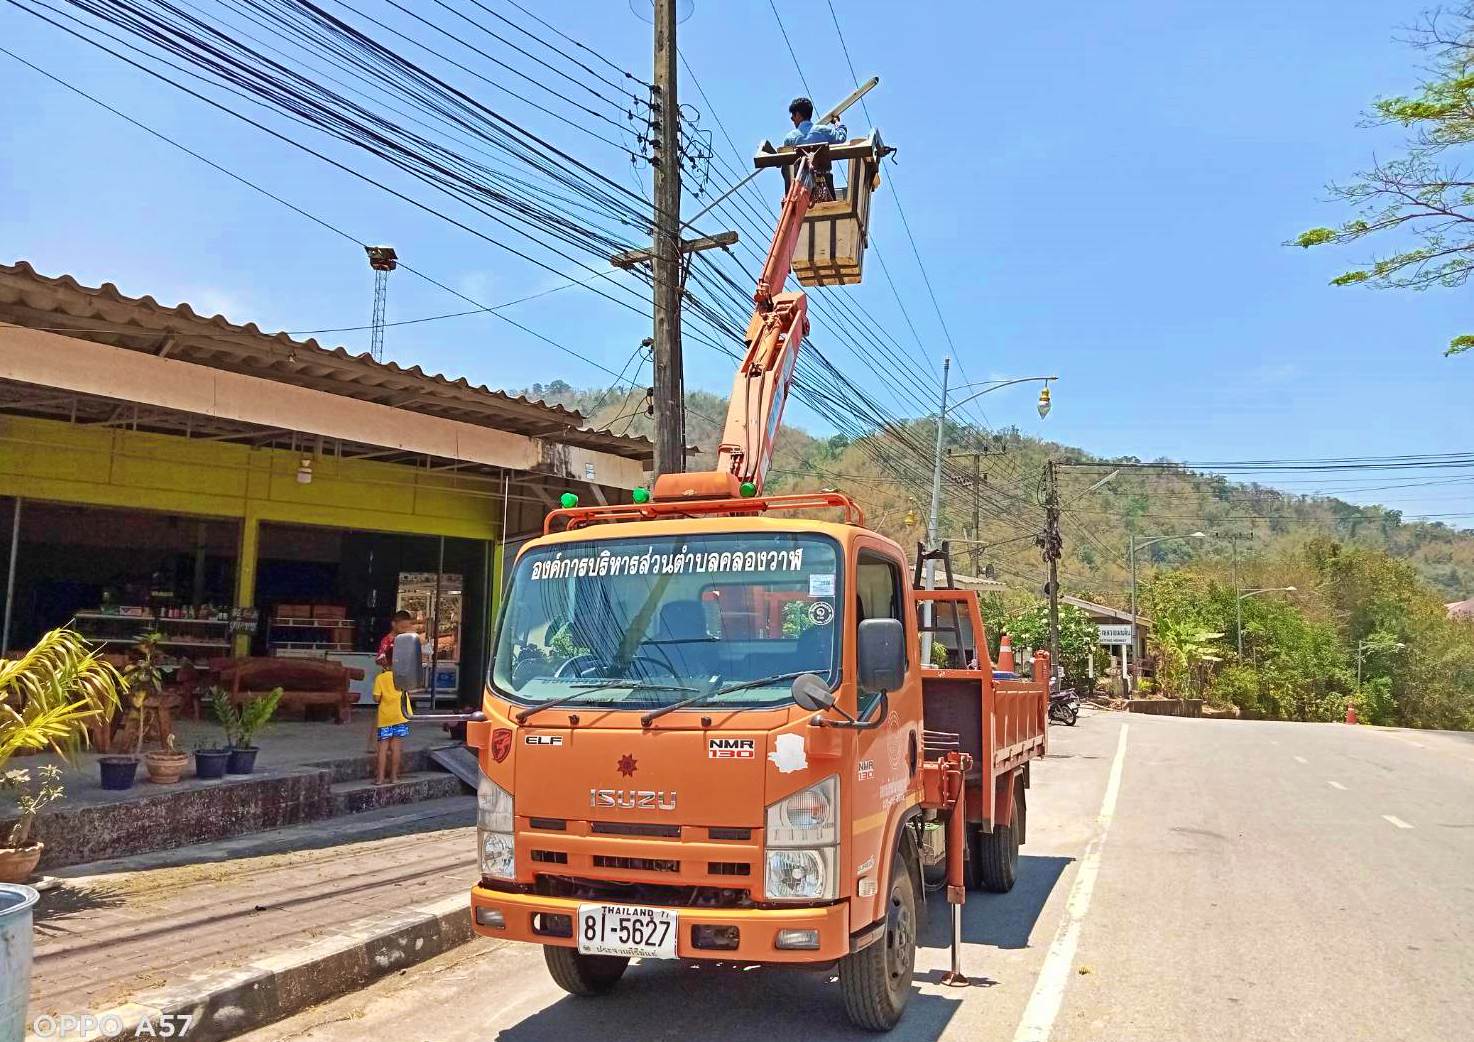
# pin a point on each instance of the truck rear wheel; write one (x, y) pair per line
(993, 856)
(876, 980)
(580, 974)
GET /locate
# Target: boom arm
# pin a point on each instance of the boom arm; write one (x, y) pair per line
(774, 334)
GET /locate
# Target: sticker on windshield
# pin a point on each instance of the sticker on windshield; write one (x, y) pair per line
(821, 613)
(821, 585)
(652, 563)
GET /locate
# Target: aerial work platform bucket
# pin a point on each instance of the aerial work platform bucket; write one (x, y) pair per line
(831, 244)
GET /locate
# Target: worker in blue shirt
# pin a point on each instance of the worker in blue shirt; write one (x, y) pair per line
(801, 110)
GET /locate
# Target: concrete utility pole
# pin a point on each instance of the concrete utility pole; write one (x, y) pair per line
(670, 410)
(936, 480)
(1053, 547)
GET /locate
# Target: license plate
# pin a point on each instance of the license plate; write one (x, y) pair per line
(643, 933)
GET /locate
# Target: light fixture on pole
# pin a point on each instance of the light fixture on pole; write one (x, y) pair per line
(1238, 611)
(1135, 640)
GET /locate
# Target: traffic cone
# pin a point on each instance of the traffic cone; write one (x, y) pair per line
(1005, 654)
(1350, 713)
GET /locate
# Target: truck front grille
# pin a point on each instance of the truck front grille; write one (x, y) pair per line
(638, 864)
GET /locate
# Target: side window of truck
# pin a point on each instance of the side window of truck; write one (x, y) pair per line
(878, 595)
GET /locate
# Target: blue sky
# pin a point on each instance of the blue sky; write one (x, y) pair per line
(1098, 190)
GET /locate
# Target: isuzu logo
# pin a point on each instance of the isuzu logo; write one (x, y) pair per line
(633, 799)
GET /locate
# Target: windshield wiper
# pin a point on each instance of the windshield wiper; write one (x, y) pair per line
(705, 696)
(602, 685)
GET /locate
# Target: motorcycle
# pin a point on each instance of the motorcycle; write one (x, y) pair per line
(1064, 706)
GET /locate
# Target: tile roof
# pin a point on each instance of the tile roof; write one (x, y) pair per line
(105, 315)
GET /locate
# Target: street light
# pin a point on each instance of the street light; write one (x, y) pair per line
(936, 480)
(1135, 546)
(1238, 611)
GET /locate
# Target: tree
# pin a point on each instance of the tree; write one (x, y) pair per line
(1028, 627)
(52, 693)
(1422, 202)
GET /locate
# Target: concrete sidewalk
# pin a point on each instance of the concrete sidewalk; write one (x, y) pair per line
(246, 930)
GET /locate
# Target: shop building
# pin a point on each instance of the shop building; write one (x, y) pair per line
(252, 494)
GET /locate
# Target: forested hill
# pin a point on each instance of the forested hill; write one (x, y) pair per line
(892, 483)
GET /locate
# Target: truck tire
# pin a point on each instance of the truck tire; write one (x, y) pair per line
(997, 851)
(584, 975)
(876, 980)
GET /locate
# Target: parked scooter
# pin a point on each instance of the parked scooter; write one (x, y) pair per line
(1064, 706)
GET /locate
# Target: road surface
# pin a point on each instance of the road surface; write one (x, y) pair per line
(1183, 880)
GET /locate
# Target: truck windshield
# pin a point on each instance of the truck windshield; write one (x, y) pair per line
(639, 623)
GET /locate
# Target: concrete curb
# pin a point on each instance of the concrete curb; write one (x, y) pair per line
(230, 1002)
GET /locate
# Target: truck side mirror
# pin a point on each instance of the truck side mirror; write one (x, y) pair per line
(881, 655)
(811, 693)
(409, 672)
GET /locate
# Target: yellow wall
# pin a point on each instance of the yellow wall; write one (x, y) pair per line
(106, 466)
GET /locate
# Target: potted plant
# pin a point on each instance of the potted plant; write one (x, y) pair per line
(242, 723)
(19, 855)
(210, 758)
(49, 696)
(166, 765)
(143, 678)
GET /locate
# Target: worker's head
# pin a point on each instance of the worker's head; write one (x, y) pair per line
(403, 622)
(800, 109)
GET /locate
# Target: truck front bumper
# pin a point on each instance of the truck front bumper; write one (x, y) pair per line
(523, 919)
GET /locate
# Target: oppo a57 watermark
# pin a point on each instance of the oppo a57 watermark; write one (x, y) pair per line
(110, 1025)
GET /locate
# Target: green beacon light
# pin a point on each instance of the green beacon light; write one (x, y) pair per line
(569, 500)
(748, 490)
(642, 495)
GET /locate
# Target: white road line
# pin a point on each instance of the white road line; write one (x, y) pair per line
(1049, 989)
(1336, 785)
(1301, 759)
(1393, 819)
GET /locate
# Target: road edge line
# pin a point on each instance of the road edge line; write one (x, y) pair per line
(1054, 976)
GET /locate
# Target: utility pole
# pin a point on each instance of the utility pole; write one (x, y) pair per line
(977, 504)
(936, 480)
(1053, 545)
(670, 411)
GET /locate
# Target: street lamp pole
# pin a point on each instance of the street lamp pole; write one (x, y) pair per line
(1239, 610)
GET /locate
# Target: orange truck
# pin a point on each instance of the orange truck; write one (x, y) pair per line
(709, 731)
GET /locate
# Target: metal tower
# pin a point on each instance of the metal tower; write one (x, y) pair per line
(383, 260)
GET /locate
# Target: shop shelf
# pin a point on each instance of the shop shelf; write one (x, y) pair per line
(312, 624)
(199, 622)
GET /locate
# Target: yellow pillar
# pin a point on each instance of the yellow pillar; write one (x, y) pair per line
(245, 574)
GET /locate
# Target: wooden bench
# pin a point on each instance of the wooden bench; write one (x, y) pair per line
(304, 682)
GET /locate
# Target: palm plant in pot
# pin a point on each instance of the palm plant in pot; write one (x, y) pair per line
(49, 696)
(143, 678)
(242, 723)
(210, 758)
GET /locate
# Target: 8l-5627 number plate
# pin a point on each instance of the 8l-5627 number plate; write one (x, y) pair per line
(643, 933)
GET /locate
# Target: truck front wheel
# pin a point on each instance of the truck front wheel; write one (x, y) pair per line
(876, 980)
(580, 974)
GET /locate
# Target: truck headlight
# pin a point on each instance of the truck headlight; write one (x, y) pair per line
(495, 847)
(802, 834)
(800, 875)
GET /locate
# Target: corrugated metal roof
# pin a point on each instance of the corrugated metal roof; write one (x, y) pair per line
(105, 315)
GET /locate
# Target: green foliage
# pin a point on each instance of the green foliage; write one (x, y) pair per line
(1420, 202)
(1028, 625)
(242, 723)
(51, 693)
(33, 794)
(255, 714)
(143, 678)
(1460, 344)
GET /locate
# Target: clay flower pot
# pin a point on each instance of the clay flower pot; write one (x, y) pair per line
(17, 863)
(165, 767)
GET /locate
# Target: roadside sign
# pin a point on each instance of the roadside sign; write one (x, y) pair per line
(1116, 633)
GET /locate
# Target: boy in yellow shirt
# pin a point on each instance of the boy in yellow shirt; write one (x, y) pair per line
(393, 723)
